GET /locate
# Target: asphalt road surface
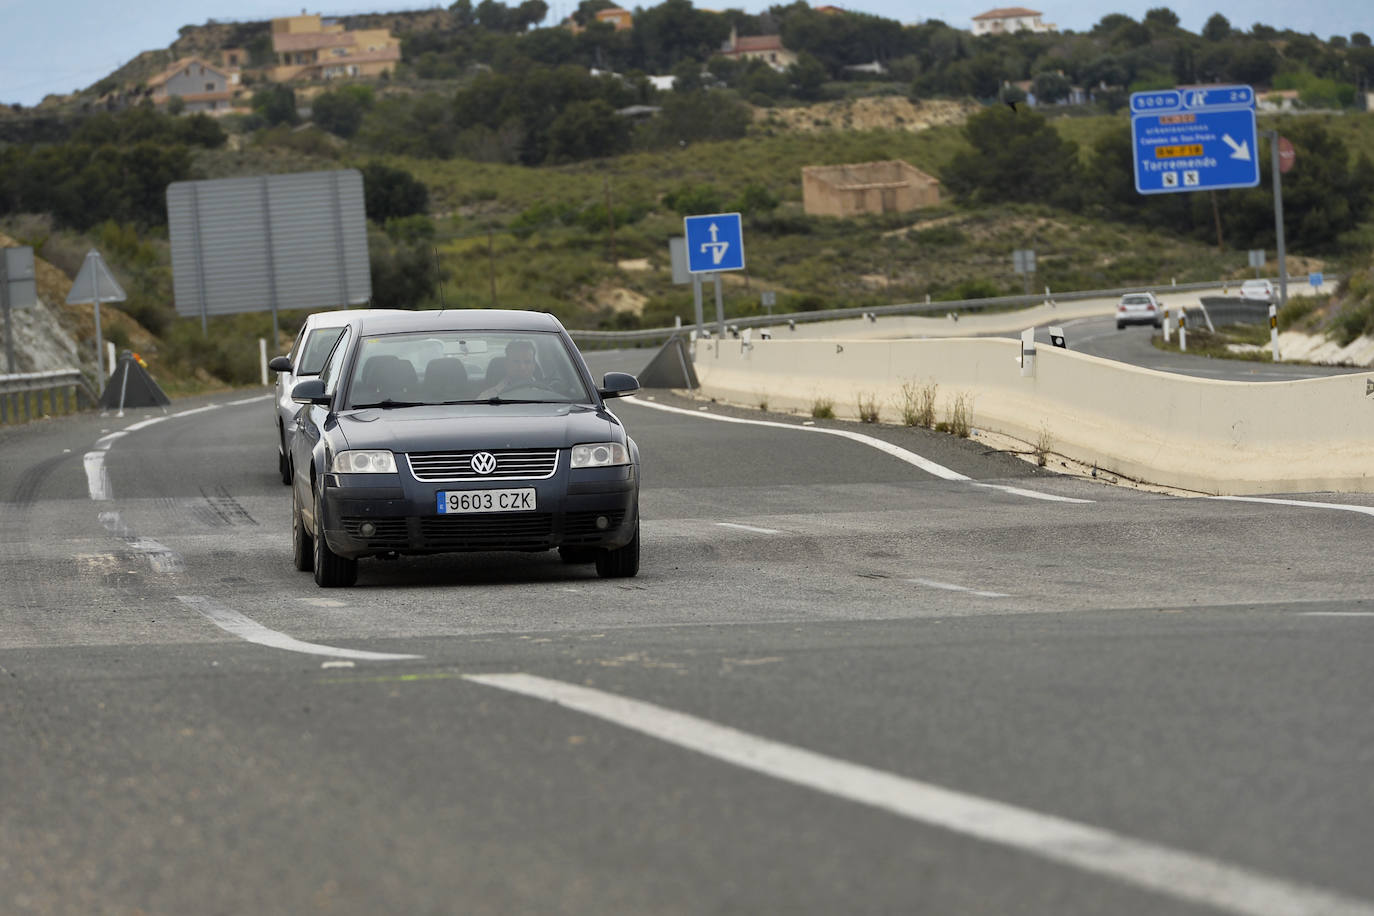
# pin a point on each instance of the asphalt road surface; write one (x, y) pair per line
(844, 681)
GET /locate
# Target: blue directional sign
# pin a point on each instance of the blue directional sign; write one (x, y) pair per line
(1194, 139)
(714, 242)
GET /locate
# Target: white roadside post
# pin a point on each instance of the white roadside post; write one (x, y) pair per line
(1028, 353)
(110, 352)
(1274, 330)
(1168, 325)
(1183, 329)
(262, 356)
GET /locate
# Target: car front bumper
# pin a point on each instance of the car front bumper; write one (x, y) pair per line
(378, 514)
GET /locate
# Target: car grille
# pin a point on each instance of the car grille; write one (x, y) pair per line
(504, 531)
(535, 464)
(391, 533)
(580, 527)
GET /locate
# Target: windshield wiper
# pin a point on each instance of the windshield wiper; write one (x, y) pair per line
(390, 403)
(496, 399)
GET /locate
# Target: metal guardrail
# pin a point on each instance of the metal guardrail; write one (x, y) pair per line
(646, 335)
(21, 395)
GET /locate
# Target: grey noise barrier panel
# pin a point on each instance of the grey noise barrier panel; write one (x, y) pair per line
(269, 242)
(671, 367)
(132, 386)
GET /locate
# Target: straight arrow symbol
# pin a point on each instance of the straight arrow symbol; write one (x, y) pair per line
(714, 230)
(1239, 150)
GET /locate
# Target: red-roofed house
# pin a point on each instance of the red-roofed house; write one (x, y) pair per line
(309, 47)
(1010, 19)
(201, 86)
(767, 48)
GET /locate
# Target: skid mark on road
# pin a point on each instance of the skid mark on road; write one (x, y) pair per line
(1160, 869)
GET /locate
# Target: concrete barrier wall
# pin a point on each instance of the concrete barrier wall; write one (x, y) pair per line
(1197, 434)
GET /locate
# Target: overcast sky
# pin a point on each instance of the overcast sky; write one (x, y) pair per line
(69, 44)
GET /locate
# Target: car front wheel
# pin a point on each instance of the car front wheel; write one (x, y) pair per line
(331, 570)
(619, 562)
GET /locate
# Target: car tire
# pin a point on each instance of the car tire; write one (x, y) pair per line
(283, 463)
(302, 544)
(1120, 325)
(1158, 325)
(572, 555)
(619, 562)
(331, 570)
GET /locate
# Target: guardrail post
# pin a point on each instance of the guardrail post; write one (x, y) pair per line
(4, 408)
(1274, 330)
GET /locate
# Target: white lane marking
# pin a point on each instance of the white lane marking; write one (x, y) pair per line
(1032, 494)
(925, 464)
(949, 587)
(1336, 614)
(143, 424)
(250, 630)
(896, 451)
(194, 410)
(253, 400)
(104, 442)
(1166, 871)
(748, 528)
(1305, 504)
(97, 478)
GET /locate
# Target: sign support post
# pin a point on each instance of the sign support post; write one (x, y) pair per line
(5, 304)
(696, 299)
(1278, 216)
(720, 308)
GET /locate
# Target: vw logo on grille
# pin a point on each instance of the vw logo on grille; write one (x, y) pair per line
(483, 463)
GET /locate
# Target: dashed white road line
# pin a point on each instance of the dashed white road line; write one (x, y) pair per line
(1031, 494)
(747, 528)
(97, 477)
(950, 587)
(249, 630)
(253, 400)
(1165, 871)
(1303, 503)
(896, 451)
(1336, 614)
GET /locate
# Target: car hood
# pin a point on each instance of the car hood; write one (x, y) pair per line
(477, 426)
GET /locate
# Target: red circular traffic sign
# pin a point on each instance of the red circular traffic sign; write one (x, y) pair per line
(1287, 155)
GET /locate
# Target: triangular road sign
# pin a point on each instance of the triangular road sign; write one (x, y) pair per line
(132, 386)
(95, 280)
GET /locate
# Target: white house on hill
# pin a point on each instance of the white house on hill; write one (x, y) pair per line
(1010, 19)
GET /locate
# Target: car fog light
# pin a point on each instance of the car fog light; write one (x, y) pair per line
(602, 523)
(367, 529)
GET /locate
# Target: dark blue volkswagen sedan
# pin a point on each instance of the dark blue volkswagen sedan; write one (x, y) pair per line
(461, 430)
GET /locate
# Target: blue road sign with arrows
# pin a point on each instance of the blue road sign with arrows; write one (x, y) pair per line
(1194, 139)
(714, 242)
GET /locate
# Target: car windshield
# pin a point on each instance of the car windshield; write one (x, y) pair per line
(451, 367)
(316, 350)
(1135, 300)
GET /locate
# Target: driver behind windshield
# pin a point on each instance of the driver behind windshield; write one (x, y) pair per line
(520, 369)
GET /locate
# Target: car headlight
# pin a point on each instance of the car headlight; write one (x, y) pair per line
(599, 455)
(364, 461)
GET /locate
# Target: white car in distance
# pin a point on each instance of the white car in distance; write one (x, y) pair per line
(1139, 308)
(312, 346)
(1257, 291)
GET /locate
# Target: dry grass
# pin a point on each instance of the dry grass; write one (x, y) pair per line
(1044, 444)
(959, 415)
(823, 409)
(868, 408)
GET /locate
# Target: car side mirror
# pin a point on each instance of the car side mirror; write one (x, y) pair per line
(280, 364)
(617, 385)
(310, 391)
